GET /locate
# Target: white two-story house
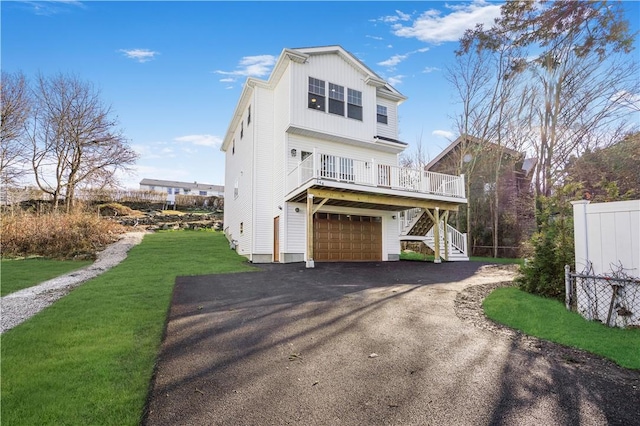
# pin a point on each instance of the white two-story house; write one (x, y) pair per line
(311, 171)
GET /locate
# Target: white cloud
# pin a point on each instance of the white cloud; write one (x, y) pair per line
(140, 55)
(374, 37)
(399, 16)
(396, 59)
(393, 61)
(443, 134)
(434, 27)
(52, 7)
(227, 80)
(250, 66)
(395, 80)
(202, 140)
(428, 70)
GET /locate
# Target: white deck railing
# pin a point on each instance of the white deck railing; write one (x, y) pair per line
(456, 238)
(369, 173)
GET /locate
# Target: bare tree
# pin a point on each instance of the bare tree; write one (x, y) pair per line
(415, 158)
(16, 108)
(485, 82)
(74, 138)
(583, 77)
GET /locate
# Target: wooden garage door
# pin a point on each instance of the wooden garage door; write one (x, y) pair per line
(340, 237)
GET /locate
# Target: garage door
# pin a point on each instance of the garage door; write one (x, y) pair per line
(341, 237)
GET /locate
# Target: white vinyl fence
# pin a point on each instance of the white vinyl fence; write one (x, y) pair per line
(606, 283)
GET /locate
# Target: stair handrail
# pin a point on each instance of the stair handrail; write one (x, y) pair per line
(410, 218)
(457, 239)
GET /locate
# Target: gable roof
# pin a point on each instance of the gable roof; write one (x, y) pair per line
(187, 185)
(457, 142)
(300, 55)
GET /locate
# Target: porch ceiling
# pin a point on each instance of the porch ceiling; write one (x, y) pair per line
(358, 198)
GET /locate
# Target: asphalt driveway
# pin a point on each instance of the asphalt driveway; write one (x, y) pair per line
(364, 344)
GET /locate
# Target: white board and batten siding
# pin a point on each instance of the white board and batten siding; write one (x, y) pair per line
(607, 235)
(332, 68)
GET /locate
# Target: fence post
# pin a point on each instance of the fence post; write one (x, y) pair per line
(567, 287)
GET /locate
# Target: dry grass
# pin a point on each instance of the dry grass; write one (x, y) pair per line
(57, 235)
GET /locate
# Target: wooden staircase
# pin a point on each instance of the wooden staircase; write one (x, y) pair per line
(418, 226)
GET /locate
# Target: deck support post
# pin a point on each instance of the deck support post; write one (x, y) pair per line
(436, 235)
(309, 260)
(445, 223)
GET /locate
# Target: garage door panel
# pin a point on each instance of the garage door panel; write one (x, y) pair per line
(340, 237)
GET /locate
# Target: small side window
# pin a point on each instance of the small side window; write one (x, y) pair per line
(382, 114)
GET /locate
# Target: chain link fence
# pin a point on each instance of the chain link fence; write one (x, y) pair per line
(612, 300)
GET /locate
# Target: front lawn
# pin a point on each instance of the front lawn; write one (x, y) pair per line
(548, 319)
(88, 359)
(22, 273)
(415, 256)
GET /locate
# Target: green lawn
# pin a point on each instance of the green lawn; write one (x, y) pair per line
(549, 320)
(22, 273)
(411, 255)
(88, 359)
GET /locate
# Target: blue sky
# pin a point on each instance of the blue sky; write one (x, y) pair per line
(173, 71)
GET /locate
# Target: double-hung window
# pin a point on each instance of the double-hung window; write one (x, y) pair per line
(316, 94)
(336, 99)
(382, 114)
(354, 104)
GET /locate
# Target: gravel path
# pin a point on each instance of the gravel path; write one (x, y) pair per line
(19, 306)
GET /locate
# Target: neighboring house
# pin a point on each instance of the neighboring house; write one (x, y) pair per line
(182, 188)
(477, 160)
(312, 170)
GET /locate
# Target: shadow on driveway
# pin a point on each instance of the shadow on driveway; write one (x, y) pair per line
(351, 344)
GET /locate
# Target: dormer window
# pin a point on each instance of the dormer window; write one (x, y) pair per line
(382, 116)
(316, 94)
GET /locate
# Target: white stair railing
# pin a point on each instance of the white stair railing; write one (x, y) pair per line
(409, 219)
(457, 239)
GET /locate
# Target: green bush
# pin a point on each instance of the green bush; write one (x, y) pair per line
(552, 244)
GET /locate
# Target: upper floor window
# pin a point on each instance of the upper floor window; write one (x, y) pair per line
(249, 115)
(233, 147)
(235, 189)
(382, 114)
(204, 193)
(354, 104)
(336, 99)
(316, 94)
(241, 129)
(169, 190)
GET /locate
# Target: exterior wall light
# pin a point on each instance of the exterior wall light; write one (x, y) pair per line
(294, 152)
